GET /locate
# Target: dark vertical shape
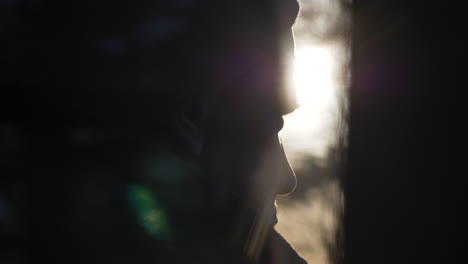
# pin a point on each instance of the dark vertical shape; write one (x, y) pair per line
(404, 180)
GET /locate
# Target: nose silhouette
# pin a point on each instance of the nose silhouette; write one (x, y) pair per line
(287, 178)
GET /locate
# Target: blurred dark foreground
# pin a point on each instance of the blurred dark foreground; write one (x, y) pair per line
(404, 185)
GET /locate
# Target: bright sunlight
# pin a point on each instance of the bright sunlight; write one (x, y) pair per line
(306, 130)
(311, 216)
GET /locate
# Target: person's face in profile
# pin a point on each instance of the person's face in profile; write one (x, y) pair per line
(245, 155)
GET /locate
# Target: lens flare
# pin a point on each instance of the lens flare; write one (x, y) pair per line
(148, 211)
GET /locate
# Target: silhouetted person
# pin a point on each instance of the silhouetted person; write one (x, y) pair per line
(146, 131)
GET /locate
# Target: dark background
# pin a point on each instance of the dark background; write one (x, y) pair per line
(406, 160)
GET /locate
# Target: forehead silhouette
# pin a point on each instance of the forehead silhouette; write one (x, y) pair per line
(104, 59)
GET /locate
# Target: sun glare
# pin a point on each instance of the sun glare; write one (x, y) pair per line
(306, 130)
(312, 76)
(312, 134)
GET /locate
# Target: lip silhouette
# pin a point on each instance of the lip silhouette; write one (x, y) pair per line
(274, 217)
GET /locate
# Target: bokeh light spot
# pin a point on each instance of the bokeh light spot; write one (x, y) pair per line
(149, 213)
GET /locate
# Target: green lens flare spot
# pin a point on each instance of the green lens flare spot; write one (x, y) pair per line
(149, 213)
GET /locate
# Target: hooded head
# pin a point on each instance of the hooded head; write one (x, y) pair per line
(160, 117)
